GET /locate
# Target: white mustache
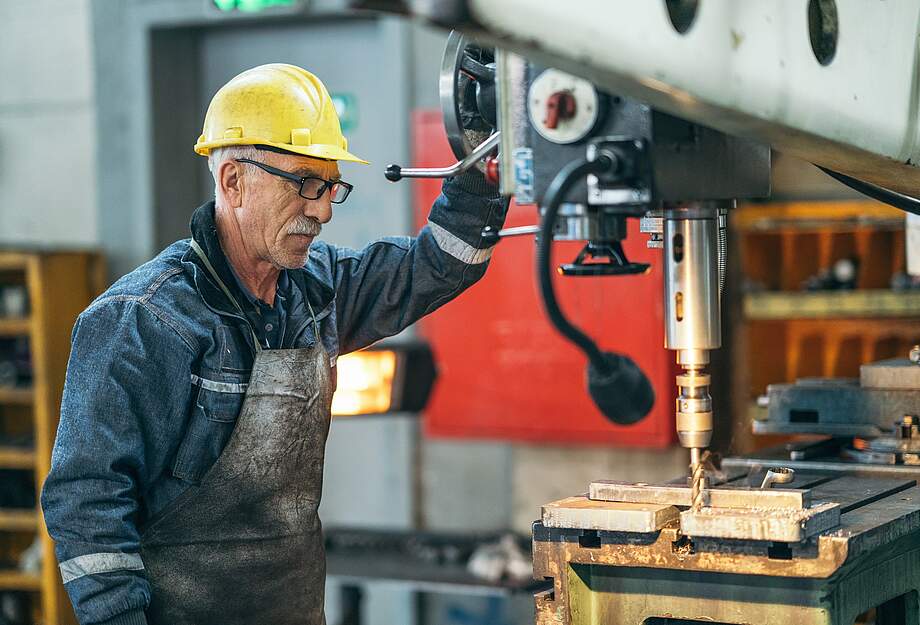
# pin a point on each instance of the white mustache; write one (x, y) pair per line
(305, 226)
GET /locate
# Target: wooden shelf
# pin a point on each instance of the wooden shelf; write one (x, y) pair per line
(59, 285)
(13, 326)
(17, 458)
(15, 395)
(14, 520)
(17, 580)
(843, 215)
(13, 261)
(832, 304)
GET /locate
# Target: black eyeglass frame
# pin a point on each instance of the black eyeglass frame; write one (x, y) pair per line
(302, 181)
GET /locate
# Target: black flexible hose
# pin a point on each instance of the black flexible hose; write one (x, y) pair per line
(906, 203)
(619, 388)
(567, 177)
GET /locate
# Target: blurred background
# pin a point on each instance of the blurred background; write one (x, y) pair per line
(100, 104)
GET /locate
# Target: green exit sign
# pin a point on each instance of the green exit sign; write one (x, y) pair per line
(252, 6)
(346, 107)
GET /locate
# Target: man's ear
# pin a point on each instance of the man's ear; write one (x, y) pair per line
(230, 178)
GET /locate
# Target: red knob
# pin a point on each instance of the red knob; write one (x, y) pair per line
(559, 106)
(492, 170)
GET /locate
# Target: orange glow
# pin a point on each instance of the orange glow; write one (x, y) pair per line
(365, 383)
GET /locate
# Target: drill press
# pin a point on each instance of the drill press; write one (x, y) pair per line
(590, 160)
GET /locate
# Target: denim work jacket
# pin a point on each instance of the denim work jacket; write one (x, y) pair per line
(160, 362)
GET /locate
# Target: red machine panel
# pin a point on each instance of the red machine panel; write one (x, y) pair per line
(503, 370)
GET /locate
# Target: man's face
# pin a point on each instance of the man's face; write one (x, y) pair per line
(276, 223)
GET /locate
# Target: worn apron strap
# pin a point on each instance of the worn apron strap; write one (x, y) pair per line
(223, 287)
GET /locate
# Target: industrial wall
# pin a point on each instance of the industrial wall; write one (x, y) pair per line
(47, 124)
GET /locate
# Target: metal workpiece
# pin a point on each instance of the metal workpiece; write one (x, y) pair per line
(718, 497)
(583, 513)
(777, 525)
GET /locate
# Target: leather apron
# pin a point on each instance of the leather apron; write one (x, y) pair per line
(245, 546)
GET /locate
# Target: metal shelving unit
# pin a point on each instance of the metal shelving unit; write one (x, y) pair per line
(831, 304)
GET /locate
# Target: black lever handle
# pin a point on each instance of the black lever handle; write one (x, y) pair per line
(393, 173)
(492, 236)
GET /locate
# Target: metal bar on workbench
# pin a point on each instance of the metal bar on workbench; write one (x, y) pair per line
(628, 492)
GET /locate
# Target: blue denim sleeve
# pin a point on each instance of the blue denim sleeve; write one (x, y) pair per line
(128, 379)
(391, 283)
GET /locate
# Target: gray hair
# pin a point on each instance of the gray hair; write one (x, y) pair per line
(220, 155)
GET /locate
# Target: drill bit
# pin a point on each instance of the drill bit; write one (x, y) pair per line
(698, 460)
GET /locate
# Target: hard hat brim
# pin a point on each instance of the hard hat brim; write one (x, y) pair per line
(325, 152)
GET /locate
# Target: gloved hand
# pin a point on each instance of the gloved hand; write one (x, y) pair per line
(473, 181)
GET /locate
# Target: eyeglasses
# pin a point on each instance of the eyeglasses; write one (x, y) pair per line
(311, 187)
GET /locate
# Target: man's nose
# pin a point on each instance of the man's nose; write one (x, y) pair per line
(320, 210)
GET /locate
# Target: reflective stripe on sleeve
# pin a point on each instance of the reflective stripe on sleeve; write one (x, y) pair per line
(95, 563)
(458, 248)
(220, 387)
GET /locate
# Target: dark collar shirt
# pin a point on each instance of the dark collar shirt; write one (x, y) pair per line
(268, 322)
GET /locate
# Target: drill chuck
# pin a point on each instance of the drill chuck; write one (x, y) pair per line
(694, 409)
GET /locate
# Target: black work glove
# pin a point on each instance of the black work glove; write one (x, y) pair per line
(473, 181)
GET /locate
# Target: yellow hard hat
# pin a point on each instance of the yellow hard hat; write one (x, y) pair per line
(277, 105)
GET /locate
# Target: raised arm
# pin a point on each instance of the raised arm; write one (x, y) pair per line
(392, 282)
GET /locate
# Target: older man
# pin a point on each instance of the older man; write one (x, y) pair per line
(188, 465)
